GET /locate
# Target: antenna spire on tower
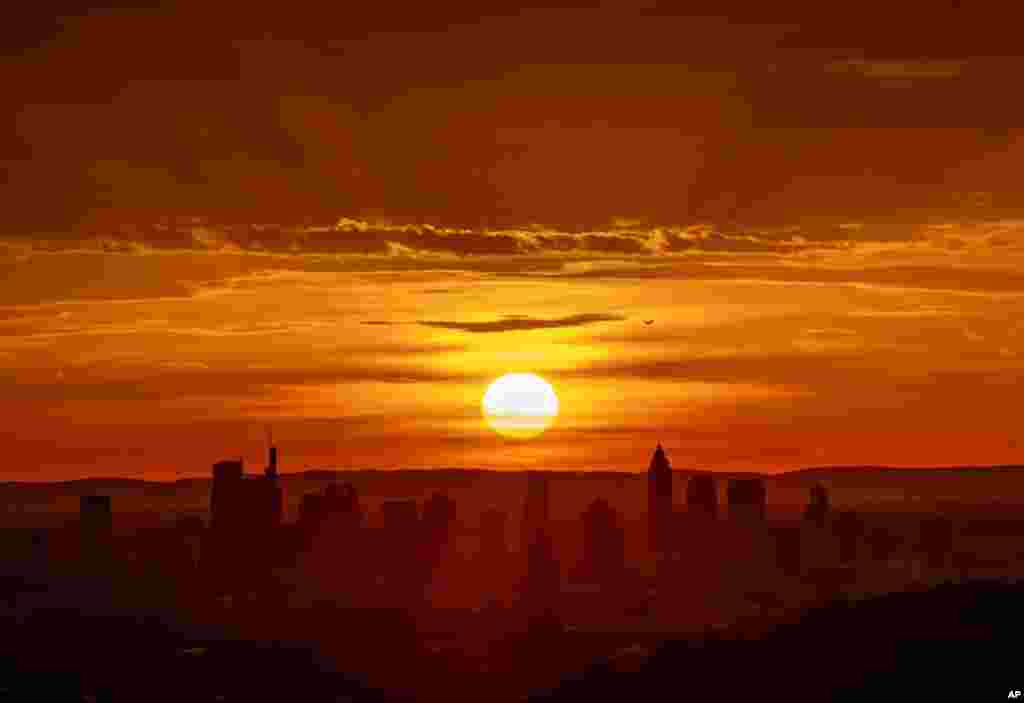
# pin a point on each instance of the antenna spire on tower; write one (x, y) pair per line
(272, 454)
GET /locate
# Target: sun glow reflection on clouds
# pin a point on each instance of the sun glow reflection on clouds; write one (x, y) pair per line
(777, 349)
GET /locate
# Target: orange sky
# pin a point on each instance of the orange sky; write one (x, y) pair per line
(347, 223)
(154, 362)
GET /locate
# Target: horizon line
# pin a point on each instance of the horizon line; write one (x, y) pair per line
(451, 469)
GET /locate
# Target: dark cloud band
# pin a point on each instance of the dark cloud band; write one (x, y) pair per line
(520, 322)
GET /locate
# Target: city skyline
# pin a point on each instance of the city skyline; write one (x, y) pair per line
(402, 585)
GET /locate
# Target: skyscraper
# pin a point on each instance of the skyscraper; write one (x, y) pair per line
(239, 503)
(849, 529)
(439, 514)
(335, 513)
(493, 542)
(543, 575)
(342, 508)
(659, 501)
(312, 512)
(224, 503)
(747, 500)
(438, 526)
(604, 542)
(817, 506)
(401, 573)
(95, 532)
(494, 569)
(271, 496)
(535, 507)
(542, 579)
(788, 549)
(400, 518)
(702, 496)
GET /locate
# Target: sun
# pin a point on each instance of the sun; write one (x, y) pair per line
(520, 405)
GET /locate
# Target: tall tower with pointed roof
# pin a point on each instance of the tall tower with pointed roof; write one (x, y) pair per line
(542, 578)
(659, 500)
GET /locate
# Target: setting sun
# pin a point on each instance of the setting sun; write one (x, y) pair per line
(520, 405)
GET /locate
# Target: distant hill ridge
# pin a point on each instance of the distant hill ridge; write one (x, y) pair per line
(84, 486)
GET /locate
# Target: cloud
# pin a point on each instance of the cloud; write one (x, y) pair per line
(386, 238)
(614, 243)
(180, 257)
(714, 241)
(183, 382)
(50, 277)
(953, 279)
(818, 379)
(510, 323)
(462, 243)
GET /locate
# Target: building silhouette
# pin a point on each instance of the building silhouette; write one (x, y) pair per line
(400, 517)
(270, 496)
(747, 500)
(542, 581)
(188, 531)
(439, 515)
(245, 520)
(225, 504)
(882, 544)
(438, 526)
(342, 503)
(335, 511)
(396, 559)
(849, 529)
(312, 513)
(935, 541)
(659, 501)
(493, 539)
(702, 496)
(788, 549)
(494, 569)
(818, 506)
(96, 516)
(536, 507)
(543, 577)
(96, 527)
(240, 503)
(604, 543)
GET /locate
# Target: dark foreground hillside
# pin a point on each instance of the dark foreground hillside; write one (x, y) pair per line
(954, 642)
(61, 656)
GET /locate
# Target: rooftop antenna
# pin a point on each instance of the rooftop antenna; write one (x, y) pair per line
(272, 452)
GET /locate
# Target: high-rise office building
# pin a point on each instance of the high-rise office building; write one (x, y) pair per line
(659, 501)
(747, 500)
(702, 496)
(817, 509)
(535, 508)
(542, 580)
(240, 503)
(493, 538)
(604, 542)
